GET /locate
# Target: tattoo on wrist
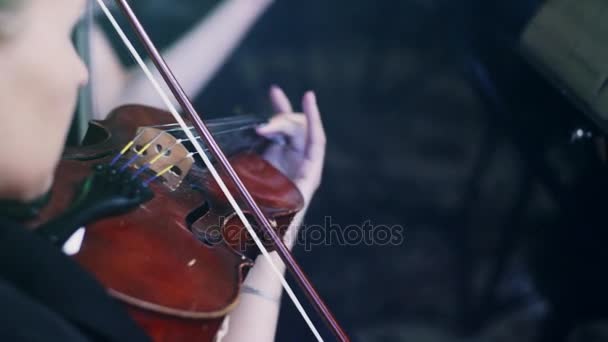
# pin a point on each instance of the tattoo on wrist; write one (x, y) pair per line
(257, 292)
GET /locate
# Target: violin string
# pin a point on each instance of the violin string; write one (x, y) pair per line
(139, 153)
(211, 168)
(167, 169)
(140, 170)
(126, 148)
(240, 128)
(218, 122)
(154, 160)
(129, 162)
(211, 124)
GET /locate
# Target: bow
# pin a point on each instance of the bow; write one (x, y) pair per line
(225, 166)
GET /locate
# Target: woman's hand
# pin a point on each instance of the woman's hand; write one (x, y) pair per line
(300, 148)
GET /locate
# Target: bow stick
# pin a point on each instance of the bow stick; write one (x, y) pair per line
(282, 250)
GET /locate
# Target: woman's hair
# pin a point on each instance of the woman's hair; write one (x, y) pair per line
(8, 22)
(6, 5)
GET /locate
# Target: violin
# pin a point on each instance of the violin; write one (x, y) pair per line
(168, 235)
(177, 261)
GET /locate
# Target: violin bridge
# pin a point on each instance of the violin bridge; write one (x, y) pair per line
(160, 151)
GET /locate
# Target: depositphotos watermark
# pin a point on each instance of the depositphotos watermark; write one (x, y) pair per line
(326, 234)
(364, 234)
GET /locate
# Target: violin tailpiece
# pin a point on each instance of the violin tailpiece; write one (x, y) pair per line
(106, 192)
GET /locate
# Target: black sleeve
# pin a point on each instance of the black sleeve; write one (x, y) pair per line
(46, 278)
(23, 319)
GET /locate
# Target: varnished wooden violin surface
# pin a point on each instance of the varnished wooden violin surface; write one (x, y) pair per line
(177, 260)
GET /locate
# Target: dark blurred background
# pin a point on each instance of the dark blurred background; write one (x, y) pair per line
(437, 125)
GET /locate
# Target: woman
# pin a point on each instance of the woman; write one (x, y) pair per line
(44, 295)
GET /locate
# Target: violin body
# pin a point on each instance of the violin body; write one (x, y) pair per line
(178, 260)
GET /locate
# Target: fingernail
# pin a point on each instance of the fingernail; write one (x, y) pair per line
(261, 128)
(311, 95)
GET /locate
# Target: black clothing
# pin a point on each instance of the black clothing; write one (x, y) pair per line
(46, 296)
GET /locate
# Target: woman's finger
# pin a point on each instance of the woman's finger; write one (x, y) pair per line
(315, 134)
(287, 126)
(279, 123)
(280, 101)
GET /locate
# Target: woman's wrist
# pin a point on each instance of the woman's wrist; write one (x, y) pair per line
(260, 293)
(262, 278)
